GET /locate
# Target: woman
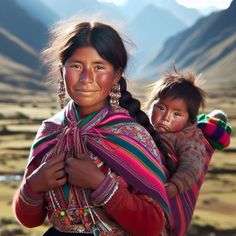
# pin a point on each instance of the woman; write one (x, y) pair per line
(92, 168)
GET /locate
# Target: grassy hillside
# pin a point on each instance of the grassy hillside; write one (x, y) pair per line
(18, 78)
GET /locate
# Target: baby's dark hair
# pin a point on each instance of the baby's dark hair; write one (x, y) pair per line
(183, 86)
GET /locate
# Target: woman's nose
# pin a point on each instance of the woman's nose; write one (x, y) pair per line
(86, 75)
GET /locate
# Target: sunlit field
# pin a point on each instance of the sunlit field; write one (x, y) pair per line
(21, 117)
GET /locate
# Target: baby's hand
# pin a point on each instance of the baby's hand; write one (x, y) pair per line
(171, 189)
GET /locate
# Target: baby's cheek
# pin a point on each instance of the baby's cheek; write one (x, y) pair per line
(177, 126)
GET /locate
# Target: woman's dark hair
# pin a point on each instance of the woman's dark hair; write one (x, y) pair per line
(102, 37)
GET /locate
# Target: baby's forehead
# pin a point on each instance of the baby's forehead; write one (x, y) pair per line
(170, 99)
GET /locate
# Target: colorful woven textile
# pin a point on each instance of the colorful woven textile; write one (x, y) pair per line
(216, 131)
(183, 205)
(99, 133)
(217, 134)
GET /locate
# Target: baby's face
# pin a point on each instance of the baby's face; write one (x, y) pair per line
(169, 115)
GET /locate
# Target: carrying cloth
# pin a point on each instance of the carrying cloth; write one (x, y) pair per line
(217, 136)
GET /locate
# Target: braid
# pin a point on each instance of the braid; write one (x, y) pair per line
(134, 108)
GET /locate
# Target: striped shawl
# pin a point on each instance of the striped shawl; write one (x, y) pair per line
(100, 134)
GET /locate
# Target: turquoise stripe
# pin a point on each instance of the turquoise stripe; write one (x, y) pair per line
(66, 190)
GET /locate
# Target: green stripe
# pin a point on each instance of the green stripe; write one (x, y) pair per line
(45, 139)
(87, 119)
(138, 153)
(84, 120)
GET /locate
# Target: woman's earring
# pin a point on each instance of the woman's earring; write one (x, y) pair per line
(61, 93)
(115, 95)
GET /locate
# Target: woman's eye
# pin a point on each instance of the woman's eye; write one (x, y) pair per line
(99, 67)
(76, 66)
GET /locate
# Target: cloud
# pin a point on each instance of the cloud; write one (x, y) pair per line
(200, 4)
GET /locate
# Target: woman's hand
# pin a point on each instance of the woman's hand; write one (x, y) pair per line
(48, 175)
(83, 172)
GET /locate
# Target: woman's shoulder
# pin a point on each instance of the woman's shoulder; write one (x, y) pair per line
(134, 130)
(54, 123)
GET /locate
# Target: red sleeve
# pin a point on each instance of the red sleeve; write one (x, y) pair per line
(28, 215)
(29, 207)
(138, 214)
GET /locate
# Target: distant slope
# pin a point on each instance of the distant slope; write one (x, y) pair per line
(85, 9)
(19, 66)
(187, 15)
(132, 7)
(16, 78)
(18, 22)
(209, 47)
(153, 25)
(150, 28)
(39, 11)
(13, 48)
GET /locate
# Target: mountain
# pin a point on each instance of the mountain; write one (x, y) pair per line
(85, 9)
(16, 50)
(39, 11)
(17, 21)
(207, 47)
(150, 28)
(145, 24)
(131, 8)
(16, 78)
(21, 37)
(187, 15)
(19, 65)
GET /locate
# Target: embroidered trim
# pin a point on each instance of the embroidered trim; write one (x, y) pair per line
(105, 191)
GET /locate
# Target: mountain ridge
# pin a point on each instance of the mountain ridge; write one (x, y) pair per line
(200, 47)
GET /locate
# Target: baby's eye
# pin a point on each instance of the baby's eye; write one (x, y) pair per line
(161, 108)
(177, 113)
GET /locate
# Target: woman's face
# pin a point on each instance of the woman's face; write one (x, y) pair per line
(169, 115)
(89, 78)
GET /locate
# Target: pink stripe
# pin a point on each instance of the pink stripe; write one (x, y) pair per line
(150, 177)
(209, 129)
(224, 139)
